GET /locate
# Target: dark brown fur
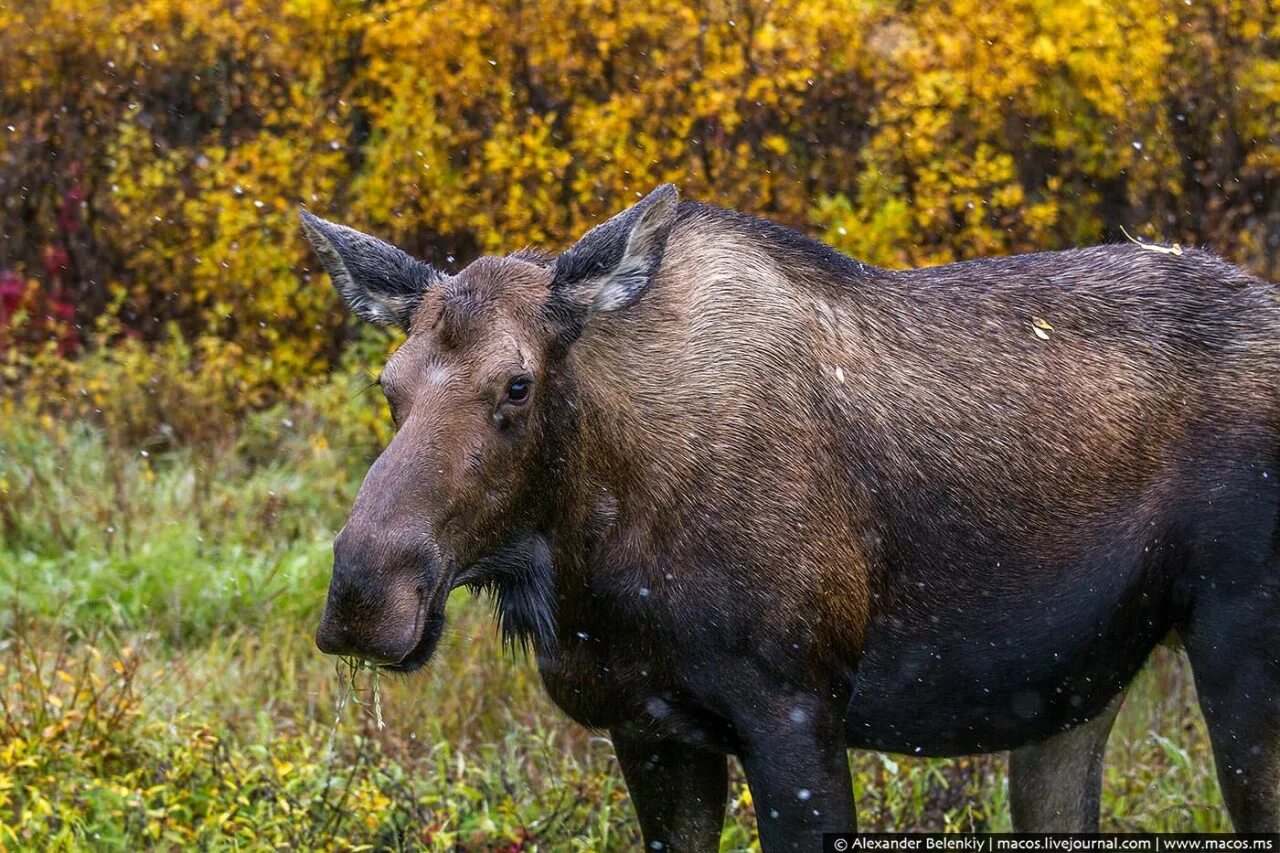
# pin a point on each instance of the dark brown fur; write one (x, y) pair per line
(764, 500)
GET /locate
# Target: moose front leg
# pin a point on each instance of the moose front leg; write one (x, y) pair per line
(797, 769)
(678, 791)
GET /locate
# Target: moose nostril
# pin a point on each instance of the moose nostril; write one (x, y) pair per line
(331, 639)
(335, 641)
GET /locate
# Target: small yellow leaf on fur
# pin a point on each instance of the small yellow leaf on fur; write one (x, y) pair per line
(1175, 249)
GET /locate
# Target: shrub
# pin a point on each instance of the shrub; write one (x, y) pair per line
(155, 151)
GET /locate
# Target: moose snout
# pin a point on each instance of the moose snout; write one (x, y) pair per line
(376, 609)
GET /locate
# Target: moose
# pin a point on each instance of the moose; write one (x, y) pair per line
(742, 495)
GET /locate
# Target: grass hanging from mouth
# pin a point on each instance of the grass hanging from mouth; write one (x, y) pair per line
(349, 669)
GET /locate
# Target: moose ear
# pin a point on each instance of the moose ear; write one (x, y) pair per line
(378, 282)
(613, 263)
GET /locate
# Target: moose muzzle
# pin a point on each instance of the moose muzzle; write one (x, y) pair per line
(378, 597)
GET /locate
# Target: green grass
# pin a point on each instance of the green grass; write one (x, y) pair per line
(159, 686)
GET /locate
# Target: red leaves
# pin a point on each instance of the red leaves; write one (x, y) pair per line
(31, 315)
(11, 288)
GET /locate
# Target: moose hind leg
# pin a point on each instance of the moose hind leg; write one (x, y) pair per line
(1056, 785)
(1235, 655)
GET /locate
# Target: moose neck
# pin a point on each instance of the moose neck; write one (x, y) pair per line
(709, 375)
(661, 413)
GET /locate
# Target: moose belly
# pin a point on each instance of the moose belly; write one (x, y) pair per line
(970, 672)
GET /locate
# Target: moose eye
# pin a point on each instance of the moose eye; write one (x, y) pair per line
(518, 390)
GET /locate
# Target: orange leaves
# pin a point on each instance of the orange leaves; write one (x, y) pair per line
(1027, 124)
(186, 134)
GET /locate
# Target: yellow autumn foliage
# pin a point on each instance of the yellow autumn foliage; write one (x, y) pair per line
(153, 153)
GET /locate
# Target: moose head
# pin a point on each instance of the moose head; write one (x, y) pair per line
(472, 394)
